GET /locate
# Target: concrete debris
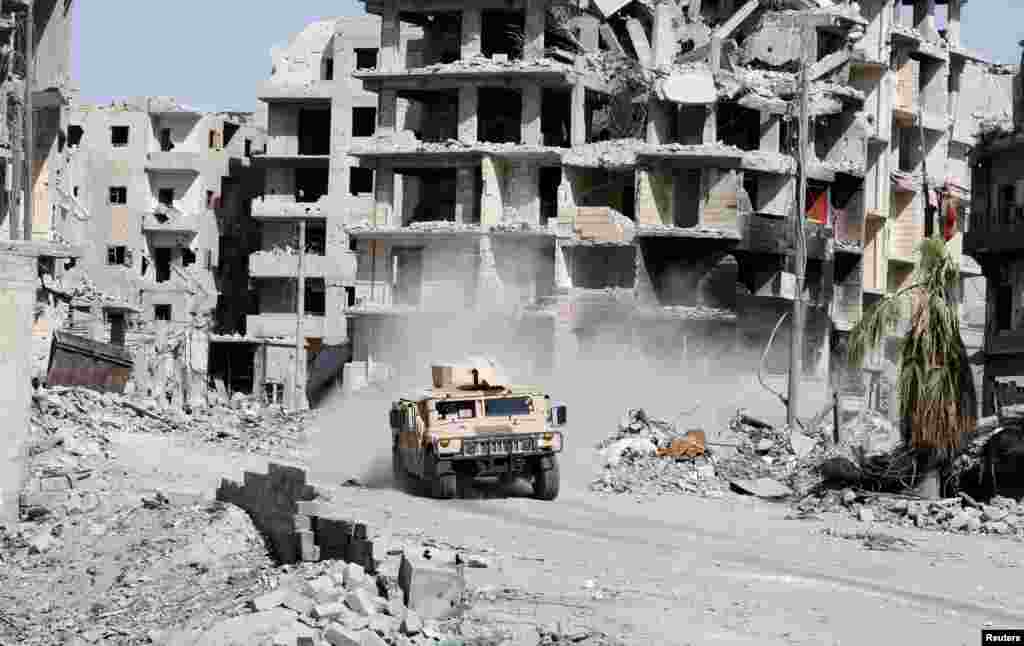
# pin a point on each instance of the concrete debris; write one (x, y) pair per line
(1002, 516)
(652, 456)
(480, 63)
(407, 143)
(77, 420)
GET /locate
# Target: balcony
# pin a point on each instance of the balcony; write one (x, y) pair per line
(269, 264)
(283, 325)
(287, 208)
(169, 220)
(172, 161)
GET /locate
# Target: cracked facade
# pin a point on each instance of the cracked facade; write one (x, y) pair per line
(157, 195)
(632, 167)
(994, 240)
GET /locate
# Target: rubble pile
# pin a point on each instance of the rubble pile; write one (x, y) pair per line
(632, 463)
(650, 456)
(124, 572)
(1001, 516)
(242, 423)
(497, 63)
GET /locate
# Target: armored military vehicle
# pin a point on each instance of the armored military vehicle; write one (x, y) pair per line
(467, 426)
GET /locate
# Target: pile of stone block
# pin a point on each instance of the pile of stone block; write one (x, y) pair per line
(296, 525)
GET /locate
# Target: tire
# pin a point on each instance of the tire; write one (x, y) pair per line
(546, 481)
(445, 486)
(398, 473)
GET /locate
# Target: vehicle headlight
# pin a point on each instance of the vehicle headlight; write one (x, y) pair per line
(551, 441)
(448, 446)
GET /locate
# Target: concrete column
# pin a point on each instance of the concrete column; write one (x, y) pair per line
(531, 132)
(578, 115)
(468, 119)
(566, 200)
(387, 112)
(533, 36)
(491, 202)
(653, 198)
(953, 22)
(711, 125)
(563, 278)
(336, 332)
(472, 25)
(465, 195)
(384, 197)
(390, 39)
(662, 36)
(659, 122)
(771, 132)
(18, 283)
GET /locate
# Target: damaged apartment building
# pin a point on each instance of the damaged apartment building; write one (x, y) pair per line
(160, 194)
(610, 172)
(995, 241)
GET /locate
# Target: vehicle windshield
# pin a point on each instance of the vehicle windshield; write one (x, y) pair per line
(507, 407)
(457, 409)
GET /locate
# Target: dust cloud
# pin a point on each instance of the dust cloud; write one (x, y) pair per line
(598, 384)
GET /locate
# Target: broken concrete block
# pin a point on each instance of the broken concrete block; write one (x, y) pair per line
(308, 550)
(328, 610)
(383, 625)
(338, 635)
(354, 576)
(360, 551)
(431, 590)
(361, 601)
(270, 600)
(332, 537)
(322, 590)
(300, 603)
(370, 638)
(55, 483)
(411, 623)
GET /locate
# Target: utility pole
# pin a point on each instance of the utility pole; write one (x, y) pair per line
(298, 385)
(30, 76)
(796, 349)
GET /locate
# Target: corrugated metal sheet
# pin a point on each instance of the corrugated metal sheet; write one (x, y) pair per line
(78, 361)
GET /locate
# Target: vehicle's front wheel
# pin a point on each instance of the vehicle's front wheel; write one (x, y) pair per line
(397, 470)
(445, 486)
(546, 481)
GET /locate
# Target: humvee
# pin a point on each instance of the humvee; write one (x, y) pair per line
(455, 432)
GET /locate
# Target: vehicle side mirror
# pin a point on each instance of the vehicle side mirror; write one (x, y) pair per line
(559, 414)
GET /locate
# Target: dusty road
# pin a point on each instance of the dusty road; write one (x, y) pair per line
(685, 570)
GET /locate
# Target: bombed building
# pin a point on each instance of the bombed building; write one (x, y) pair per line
(574, 176)
(994, 240)
(157, 197)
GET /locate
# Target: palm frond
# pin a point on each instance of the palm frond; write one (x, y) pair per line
(933, 376)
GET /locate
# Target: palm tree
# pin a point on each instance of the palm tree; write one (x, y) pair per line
(936, 388)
